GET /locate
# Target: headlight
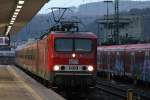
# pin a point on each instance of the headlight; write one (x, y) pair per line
(56, 68)
(90, 68)
(73, 55)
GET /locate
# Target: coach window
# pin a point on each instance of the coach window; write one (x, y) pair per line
(31, 57)
(28, 57)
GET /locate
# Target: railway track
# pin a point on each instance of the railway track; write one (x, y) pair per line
(121, 91)
(111, 89)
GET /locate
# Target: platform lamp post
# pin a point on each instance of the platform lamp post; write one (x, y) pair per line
(107, 16)
(107, 30)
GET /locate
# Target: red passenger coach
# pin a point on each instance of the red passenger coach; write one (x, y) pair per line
(125, 60)
(64, 59)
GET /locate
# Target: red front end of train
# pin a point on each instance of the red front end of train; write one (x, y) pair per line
(64, 59)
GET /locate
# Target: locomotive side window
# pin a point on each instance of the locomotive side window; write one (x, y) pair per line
(64, 45)
(83, 45)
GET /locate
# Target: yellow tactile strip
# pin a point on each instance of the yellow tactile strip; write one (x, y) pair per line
(12, 87)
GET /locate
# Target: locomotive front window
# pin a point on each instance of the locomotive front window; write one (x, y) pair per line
(83, 45)
(64, 45)
(76, 45)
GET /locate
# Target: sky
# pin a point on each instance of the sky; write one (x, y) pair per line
(69, 3)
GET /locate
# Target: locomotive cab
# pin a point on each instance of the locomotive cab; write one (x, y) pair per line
(74, 59)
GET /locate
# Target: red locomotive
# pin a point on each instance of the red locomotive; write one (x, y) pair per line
(125, 60)
(64, 59)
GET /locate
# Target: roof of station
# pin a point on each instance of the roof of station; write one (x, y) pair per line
(14, 14)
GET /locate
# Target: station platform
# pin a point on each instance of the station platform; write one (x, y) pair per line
(16, 85)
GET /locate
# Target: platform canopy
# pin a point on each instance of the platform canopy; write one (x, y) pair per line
(14, 14)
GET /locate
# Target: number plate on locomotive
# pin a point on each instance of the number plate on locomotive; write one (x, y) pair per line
(73, 67)
(73, 61)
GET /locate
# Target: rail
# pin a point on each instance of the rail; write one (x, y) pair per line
(123, 92)
(111, 89)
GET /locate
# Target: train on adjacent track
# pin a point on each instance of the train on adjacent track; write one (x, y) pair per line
(64, 59)
(131, 61)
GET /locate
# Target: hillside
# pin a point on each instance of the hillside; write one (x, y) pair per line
(86, 13)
